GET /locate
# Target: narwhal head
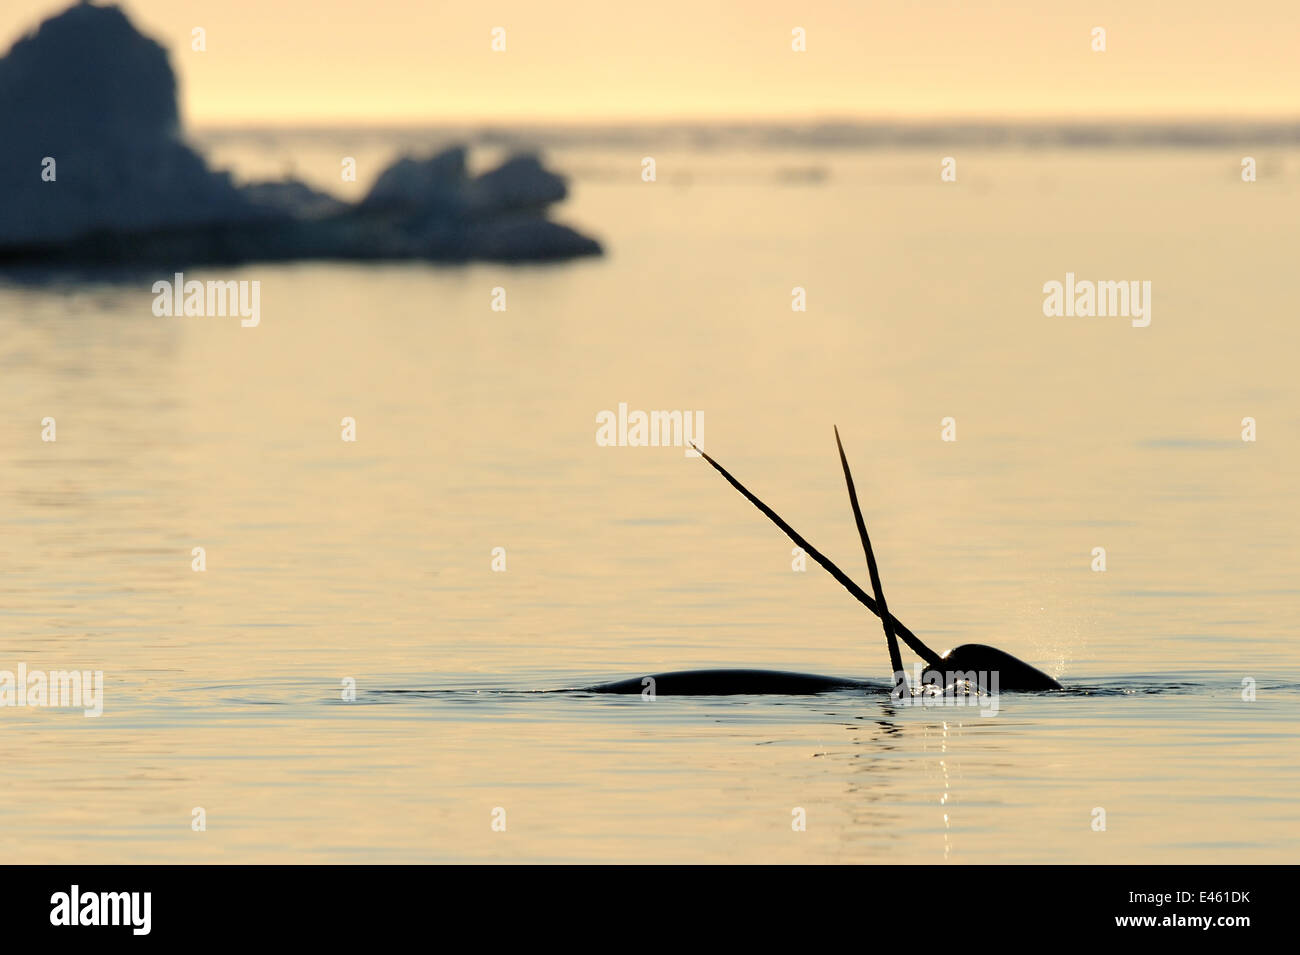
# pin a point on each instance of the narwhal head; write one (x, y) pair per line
(995, 669)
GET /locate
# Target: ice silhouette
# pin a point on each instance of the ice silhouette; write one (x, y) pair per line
(411, 183)
(88, 91)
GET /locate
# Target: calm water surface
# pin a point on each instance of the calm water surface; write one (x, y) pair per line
(372, 561)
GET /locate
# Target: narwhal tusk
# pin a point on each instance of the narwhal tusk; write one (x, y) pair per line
(895, 660)
(928, 655)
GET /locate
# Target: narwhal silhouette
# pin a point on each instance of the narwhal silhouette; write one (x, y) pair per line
(961, 664)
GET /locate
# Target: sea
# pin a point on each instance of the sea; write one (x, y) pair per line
(323, 650)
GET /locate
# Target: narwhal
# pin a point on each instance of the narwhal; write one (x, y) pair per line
(963, 661)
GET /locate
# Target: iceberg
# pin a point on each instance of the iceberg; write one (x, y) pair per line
(95, 171)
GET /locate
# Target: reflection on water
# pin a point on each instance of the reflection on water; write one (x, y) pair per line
(372, 561)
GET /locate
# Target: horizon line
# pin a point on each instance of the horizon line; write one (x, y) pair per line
(623, 122)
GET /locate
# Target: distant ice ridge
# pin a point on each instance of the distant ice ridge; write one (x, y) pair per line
(94, 169)
(717, 138)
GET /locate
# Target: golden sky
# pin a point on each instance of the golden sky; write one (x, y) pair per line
(412, 61)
